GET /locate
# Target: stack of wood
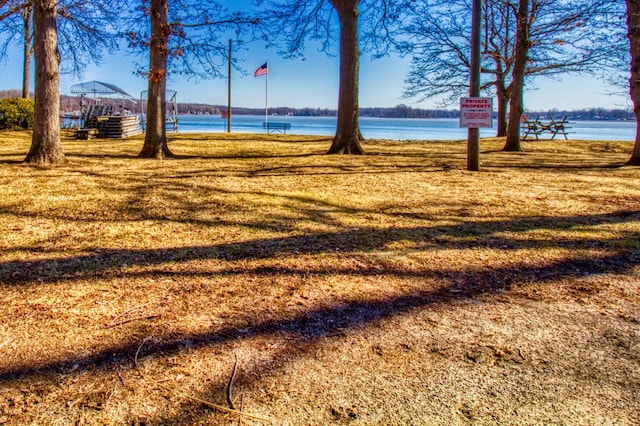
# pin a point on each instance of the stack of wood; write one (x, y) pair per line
(114, 126)
(122, 126)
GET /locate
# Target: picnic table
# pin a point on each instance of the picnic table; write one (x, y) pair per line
(537, 127)
(276, 127)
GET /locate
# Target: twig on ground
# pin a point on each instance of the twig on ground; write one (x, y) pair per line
(241, 408)
(114, 322)
(128, 311)
(521, 354)
(121, 378)
(142, 317)
(115, 386)
(230, 384)
(135, 358)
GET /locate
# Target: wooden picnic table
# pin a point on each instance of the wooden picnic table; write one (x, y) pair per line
(537, 127)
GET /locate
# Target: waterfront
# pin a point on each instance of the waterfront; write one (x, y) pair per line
(392, 128)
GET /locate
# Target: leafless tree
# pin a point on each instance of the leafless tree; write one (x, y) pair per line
(182, 38)
(362, 25)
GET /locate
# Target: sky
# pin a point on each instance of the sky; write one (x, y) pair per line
(313, 82)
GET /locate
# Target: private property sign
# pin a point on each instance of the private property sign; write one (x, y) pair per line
(476, 112)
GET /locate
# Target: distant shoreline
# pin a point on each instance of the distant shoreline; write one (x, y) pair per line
(71, 104)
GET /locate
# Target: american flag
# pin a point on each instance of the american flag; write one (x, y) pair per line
(261, 71)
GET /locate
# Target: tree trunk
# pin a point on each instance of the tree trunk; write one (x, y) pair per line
(46, 148)
(495, 26)
(633, 32)
(503, 104)
(517, 79)
(27, 38)
(347, 138)
(155, 140)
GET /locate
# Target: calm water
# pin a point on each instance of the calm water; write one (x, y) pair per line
(393, 128)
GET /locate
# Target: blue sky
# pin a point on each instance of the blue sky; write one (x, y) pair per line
(314, 83)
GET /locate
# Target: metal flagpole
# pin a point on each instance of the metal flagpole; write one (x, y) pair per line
(229, 89)
(266, 97)
(473, 144)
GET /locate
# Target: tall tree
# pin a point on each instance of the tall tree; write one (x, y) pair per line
(16, 19)
(367, 25)
(181, 37)
(155, 140)
(536, 52)
(46, 148)
(441, 47)
(86, 24)
(27, 48)
(523, 43)
(633, 33)
(347, 138)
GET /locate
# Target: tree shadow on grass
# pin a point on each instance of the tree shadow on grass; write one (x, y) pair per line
(245, 156)
(467, 235)
(306, 329)
(565, 167)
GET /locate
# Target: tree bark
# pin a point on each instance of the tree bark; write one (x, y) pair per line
(46, 148)
(633, 32)
(503, 104)
(347, 138)
(497, 22)
(155, 141)
(27, 14)
(517, 79)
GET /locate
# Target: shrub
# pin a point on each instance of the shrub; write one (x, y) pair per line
(16, 114)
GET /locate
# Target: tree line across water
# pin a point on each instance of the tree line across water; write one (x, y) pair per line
(9, 113)
(70, 104)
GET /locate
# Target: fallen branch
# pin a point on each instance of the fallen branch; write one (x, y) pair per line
(135, 358)
(141, 317)
(114, 321)
(230, 384)
(128, 311)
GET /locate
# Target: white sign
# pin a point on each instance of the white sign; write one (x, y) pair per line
(476, 112)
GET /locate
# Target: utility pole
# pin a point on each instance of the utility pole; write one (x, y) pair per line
(229, 88)
(473, 144)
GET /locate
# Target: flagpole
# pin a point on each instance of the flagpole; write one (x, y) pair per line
(266, 98)
(229, 88)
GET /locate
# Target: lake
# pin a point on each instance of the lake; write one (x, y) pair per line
(393, 128)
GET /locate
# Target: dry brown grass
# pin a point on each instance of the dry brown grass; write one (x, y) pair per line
(393, 288)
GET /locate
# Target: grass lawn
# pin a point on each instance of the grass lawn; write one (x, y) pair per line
(393, 288)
